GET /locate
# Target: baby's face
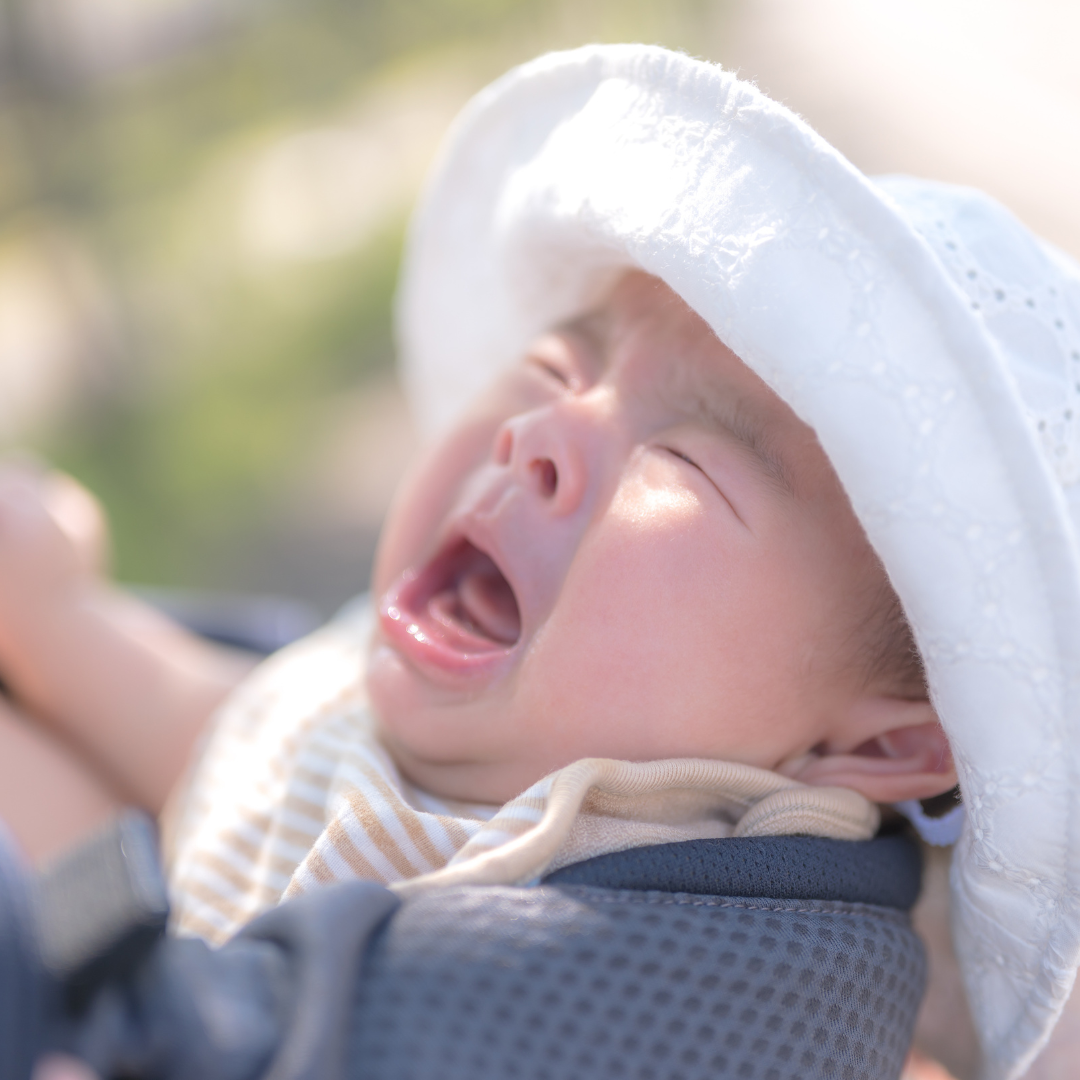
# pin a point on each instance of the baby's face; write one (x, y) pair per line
(631, 548)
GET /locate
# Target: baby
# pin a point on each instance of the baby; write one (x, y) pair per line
(625, 598)
(630, 548)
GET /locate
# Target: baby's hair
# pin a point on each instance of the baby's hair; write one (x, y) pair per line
(889, 657)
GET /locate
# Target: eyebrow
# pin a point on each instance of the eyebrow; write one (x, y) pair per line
(735, 419)
(705, 396)
(594, 330)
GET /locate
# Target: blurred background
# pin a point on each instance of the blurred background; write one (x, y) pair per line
(202, 204)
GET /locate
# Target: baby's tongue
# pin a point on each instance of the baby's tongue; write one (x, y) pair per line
(489, 602)
(481, 600)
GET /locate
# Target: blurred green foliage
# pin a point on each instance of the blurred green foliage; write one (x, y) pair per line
(185, 471)
(218, 378)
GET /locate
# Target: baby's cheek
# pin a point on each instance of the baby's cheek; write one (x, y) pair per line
(661, 636)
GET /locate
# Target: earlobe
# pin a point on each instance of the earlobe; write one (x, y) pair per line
(894, 749)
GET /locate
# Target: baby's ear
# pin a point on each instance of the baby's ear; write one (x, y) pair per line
(892, 749)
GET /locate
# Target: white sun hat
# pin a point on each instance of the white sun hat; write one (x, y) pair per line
(929, 339)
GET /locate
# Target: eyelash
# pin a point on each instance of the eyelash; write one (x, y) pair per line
(555, 373)
(682, 457)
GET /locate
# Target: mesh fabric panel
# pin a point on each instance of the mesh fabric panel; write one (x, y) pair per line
(579, 983)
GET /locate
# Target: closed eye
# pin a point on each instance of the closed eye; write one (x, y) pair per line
(682, 457)
(554, 372)
(693, 464)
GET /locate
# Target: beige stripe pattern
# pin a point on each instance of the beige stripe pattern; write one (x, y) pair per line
(294, 791)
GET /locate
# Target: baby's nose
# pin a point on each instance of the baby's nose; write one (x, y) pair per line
(545, 458)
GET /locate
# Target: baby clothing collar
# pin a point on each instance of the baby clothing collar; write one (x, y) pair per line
(929, 339)
(594, 806)
(598, 806)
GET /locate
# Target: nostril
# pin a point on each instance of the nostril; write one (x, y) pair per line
(546, 475)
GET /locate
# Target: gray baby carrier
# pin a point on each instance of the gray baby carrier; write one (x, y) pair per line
(775, 958)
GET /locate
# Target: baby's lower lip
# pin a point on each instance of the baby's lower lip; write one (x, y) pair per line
(456, 616)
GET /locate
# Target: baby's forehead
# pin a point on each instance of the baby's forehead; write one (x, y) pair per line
(644, 326)
(640, 306)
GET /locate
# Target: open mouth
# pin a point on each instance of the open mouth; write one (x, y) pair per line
(459, 608)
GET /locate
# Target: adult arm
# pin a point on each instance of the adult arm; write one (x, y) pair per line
(126, 688)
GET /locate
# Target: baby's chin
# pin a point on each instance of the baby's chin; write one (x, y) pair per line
(450, 746)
